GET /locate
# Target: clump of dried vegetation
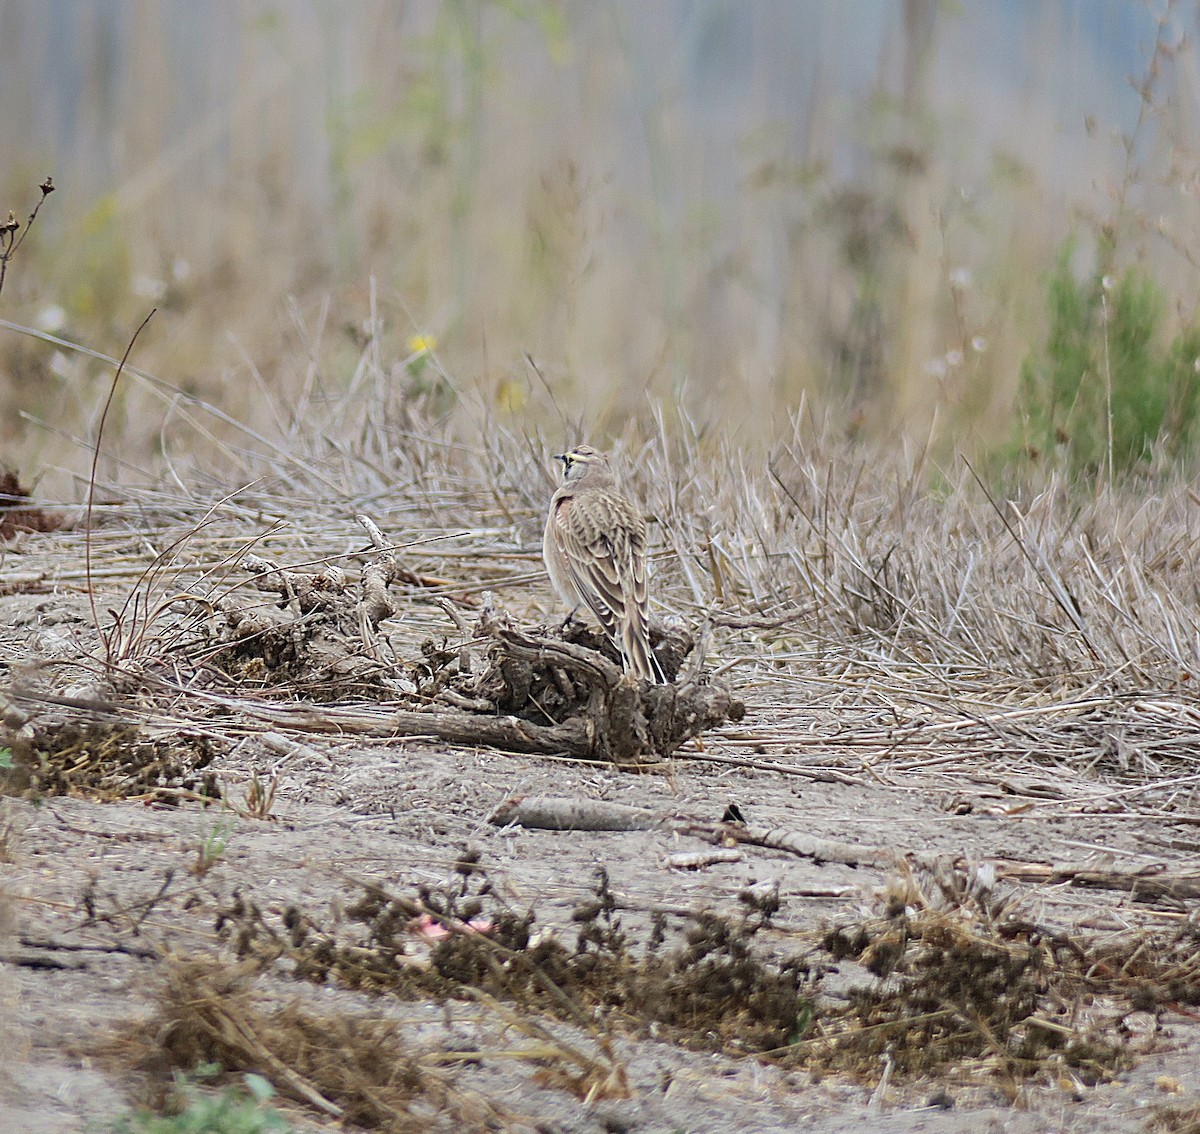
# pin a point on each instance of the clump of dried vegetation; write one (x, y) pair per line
(961, 989)
(105, 762)
(967, 985)
(714, 991)
(897, 614)
(358, 1070)
(1175, 1119)
(540, 689)
(1038, 640)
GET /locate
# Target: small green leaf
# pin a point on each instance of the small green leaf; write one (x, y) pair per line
(259, 1087)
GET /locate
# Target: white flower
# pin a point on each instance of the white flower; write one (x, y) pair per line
(960, 279)
(51, 318)
(936, 368)
(60, 365)
(979, 344)
(147, 287)
(954, 358)
(1107, 283)
(180, 270)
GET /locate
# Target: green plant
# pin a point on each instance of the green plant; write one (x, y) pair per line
(236, 1110)
(209, 853)
(6, 759)
(1103, 391)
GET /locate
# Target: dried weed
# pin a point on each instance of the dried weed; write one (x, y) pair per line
(17, 511)
(715, 992)
(965, 983)
(1174, 1120)
(967, 990)
(359, 1070)
(106, 762)
(954, 995)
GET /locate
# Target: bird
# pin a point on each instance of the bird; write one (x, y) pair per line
(595, 554)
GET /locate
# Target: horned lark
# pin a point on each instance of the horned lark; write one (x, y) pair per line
(595, 553)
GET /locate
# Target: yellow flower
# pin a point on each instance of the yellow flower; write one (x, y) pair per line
(421, 344)
(509, 396)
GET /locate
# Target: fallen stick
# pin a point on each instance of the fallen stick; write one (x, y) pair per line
(565, 813)
(41, 961)
(57, 946)
(470, 730)
(577, 736)
(1154, 883)
(792, 842)
(798, 843)
(562, 813)
(1151, 883)
(698, 860)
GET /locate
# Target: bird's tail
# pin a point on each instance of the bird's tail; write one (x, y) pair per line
(635, 648)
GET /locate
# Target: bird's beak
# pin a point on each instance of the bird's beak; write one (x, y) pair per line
(561, 457)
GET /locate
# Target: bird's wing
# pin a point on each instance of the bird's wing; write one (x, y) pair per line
(602, 540)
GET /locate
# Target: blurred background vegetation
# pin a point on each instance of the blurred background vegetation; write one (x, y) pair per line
(965, 220)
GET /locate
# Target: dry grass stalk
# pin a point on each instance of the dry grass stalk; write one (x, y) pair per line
(357, 1070)
(867, 617)
(260, 797)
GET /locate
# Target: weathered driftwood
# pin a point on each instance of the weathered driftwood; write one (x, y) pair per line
(567, 814)
(561, 813)
(1154, 884)
(470, 730)
(577, 736)
(603, 713)
(798, 843)
(556, 690)
(699, 860)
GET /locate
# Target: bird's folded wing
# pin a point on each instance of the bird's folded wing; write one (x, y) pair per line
(596, 575)
(602, 540)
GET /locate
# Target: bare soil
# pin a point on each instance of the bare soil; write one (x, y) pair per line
(98, 899)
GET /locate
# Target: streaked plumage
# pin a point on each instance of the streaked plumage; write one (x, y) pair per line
(595, 553)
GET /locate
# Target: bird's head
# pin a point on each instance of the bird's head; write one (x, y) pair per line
(585, 463)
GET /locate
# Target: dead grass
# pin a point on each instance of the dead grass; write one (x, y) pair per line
(968, 985)
(961, 989)
(1174, 1120)
(880, 610)
(359, 1070)
(937, 624)
(1055, 625)
(956, 998)
(715, 992)
(105, 762)
(919, 293)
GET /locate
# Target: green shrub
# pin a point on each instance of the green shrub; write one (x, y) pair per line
(1104, 392)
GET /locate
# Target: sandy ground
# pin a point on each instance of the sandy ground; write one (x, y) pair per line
(87, 922)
